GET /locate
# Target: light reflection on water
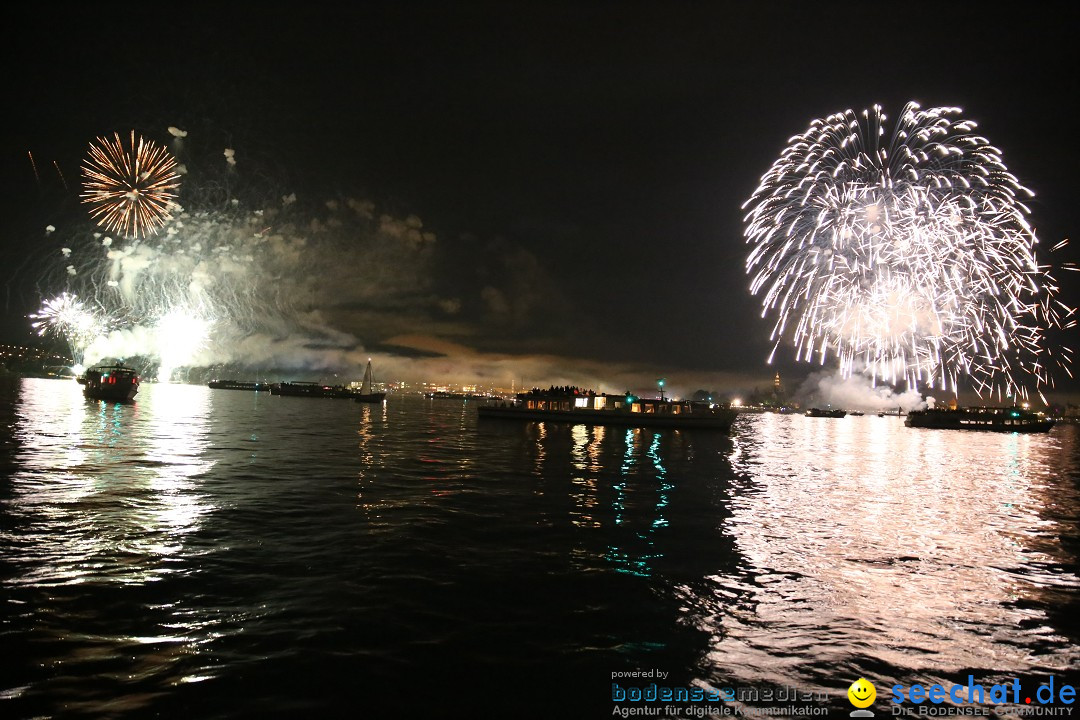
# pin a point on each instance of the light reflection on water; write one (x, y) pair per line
(619, 486)
(868, 546)
(117, 479)
(642, 446)
(103, 494)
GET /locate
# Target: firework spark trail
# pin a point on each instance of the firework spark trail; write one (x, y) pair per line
(63, 180)
(131, 189)
(908, 256)
(33, 164)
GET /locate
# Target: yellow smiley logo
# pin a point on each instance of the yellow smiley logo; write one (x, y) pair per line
(861, 693)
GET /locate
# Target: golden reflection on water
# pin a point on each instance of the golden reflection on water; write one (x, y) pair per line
(585, 458)
(365, 435)
(538, 434)
(922, 549)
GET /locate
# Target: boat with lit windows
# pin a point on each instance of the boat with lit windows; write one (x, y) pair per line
(112, 383)
(986, 419)
(573, 405)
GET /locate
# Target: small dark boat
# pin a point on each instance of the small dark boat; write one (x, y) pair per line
(112, 383)
(986, 419)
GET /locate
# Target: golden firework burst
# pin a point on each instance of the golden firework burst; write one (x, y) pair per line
(131, 188)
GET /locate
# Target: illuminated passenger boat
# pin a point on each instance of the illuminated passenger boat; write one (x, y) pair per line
(575, 406)
(990, 419)
(113, 383)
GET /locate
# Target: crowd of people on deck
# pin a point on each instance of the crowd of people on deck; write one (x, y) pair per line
(563, 390)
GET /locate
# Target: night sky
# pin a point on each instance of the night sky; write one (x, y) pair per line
(582, 165)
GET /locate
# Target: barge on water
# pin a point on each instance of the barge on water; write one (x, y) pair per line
(818, 412)
(986, 419)
(311, 389)
(589, 408)
(238, 385)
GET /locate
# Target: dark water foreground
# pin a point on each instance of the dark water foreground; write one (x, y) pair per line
(213, 553)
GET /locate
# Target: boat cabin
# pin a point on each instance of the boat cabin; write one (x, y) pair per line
(590, 401)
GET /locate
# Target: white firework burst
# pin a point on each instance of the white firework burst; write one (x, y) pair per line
(907, 255)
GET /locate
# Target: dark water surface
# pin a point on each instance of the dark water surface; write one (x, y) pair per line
(214, 553)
